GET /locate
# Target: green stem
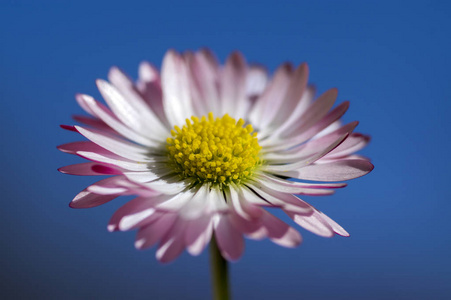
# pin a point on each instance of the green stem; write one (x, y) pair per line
(219, 273)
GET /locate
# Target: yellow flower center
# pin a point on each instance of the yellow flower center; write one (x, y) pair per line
(216, 150)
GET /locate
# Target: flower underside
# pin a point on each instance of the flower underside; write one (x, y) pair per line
(214, 150)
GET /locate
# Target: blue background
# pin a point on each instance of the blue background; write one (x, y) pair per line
(391, 60)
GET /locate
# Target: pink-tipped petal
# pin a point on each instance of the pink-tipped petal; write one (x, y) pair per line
(253, 228)
(280, 232)
(106, 170)
(83, 169)
(150, 234)
(94, 123)
(198, 234)
(68, 127)
(173, 244)
(134, 214)
(313, 223)
(337, 228)
(73, 147)
(87, 199)
(230, 241)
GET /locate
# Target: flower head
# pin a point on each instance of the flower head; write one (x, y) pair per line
(206, 148)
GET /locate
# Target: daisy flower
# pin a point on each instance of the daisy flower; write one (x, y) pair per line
(207, 148)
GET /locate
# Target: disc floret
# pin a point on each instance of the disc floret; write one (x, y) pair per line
(216, 150)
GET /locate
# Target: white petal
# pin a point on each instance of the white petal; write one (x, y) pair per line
(293, 96)
(257, 79)
(144, 176)
(169, 185)
(305, 101)
(340, 170)
(253, 198)
(290, 187)
(178, 201)
(128, 165)
(197, 205)
(103, 190)
(135, 103)
(176, 90)
(286, 201)
(132, 110)
(268, 103)
(106, 116)
(309, 152)
(292, 136)
(217, 202)
(243, 208)
(149, 86)
(121, 107)
(204, 76)
(233, 86)
(115, 145)
(353, 143)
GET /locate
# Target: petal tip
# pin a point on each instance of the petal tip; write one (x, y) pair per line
(73, 204)
(139, 244)
(111, 227)
(68, 127)
(100, 83)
